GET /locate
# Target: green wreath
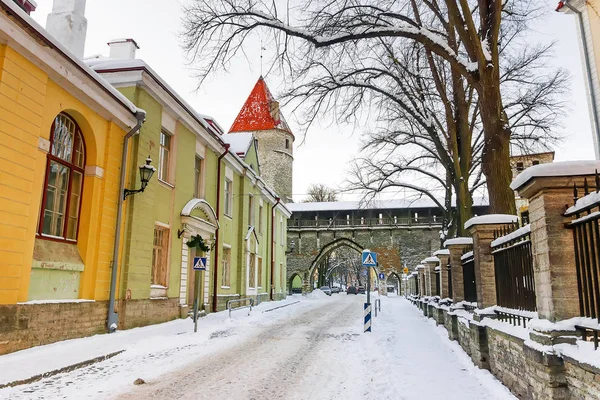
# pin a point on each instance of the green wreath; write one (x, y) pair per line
(198, 242)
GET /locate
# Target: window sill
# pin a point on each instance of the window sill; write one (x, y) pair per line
(228, 216)
(225, 287)
(167, 184)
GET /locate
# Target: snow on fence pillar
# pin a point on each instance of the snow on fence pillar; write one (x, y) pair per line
(430, 263)
(549, 189)
(456, 248)
(444, 256)
(482, 230)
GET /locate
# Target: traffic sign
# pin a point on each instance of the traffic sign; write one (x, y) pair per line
(405, 270)
(369, 258)
(381, 276)
(199, 263)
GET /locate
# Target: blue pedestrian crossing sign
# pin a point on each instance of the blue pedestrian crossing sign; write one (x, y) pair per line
(199, 263)
(369, 258)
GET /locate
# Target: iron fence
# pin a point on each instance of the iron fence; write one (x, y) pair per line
(469, 284)
(450, 291)
(437, 283)
(586, 239)
(513, 318)
(513, 265)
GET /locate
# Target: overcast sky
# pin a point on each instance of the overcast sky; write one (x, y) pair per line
(155, 25)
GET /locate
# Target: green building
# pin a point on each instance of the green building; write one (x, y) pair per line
(207, 186)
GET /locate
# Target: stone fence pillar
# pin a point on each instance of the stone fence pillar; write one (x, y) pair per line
(421, 275)
(549, 189)
(444, 256)
(456, 247)
(430, 264)
(482, 230)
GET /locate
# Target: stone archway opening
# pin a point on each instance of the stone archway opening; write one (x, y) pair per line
(295, 284)
(394, 284)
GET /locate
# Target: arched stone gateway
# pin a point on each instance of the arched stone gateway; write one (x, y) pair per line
(395, 245)
(395, 280)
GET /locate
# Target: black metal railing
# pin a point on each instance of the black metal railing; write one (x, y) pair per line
(468, 266)
(469, 307)
(364, 222)
(514, 318)
(450, 292)
(513, 265)
(437, 283)
(586, 238)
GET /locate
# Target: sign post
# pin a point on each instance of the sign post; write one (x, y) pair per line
(199, 265)
(369, 259)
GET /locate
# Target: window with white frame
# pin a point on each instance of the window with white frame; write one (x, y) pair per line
(250, 210)
(164, 156)
(281, 233)
(260, 219)
(228, 197)
(226, 273)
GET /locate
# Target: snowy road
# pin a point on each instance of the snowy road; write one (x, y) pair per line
(313, 350)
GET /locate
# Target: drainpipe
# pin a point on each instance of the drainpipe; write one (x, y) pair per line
(273, 248)
(217, 244)
(113, 318)
(588, 72)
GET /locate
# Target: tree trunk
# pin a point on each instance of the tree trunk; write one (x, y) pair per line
(496, 149)
(464, 205)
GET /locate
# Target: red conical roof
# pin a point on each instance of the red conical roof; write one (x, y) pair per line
(260, 112)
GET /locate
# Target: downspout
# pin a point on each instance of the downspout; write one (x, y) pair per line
(113, 318)
(273, 248)
(217, 244)
(588, 71)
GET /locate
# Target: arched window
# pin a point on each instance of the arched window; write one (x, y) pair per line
(63, 185)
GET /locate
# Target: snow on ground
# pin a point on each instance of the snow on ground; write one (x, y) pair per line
(314, 349)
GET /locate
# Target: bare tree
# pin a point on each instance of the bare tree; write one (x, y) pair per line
(463, 33)
(318, 192)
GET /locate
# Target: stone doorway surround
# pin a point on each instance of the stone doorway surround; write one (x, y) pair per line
(197, 218)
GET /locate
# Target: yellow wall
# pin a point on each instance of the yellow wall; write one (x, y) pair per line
(29, 102)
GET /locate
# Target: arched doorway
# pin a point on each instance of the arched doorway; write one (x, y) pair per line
(394, 284)
(295, 284)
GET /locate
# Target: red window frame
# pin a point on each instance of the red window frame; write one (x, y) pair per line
(78, 136)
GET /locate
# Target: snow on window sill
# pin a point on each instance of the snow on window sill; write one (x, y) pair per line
(57, 301)
(167, 184)
(225, 287)
(158, 287)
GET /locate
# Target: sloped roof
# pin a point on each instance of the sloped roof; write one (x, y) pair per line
(256, 114)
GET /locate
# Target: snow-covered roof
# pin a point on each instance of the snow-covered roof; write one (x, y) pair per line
(259, 112)
(47, 37)
(442, 252)
(491, 219)
(458, 241)
(239, 142)
(563, 168)
(103, 64)
(372, 205)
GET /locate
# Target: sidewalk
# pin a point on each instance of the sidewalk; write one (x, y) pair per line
(32, 364)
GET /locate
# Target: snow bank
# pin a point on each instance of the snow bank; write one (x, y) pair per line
(491, 219)
(564, 168)
(317, 294)
(568, 325)
(512, 236)
(458, 241)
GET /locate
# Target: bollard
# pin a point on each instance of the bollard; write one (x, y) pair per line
(377, 305)
(367, 317)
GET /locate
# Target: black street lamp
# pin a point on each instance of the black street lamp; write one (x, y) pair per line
(146, 172)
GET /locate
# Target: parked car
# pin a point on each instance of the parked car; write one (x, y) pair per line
(326, 290)
(351, 290)
(335, 289)
(361, 290)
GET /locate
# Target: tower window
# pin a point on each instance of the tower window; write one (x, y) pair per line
(287, 143)
(520, 166)
(536, 162)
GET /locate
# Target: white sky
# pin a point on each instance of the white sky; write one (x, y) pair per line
(327, 150)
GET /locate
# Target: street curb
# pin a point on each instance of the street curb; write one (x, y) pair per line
(61, 370)
(271, 309)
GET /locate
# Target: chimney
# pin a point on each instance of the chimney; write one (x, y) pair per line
(68, 25)
(123, 48)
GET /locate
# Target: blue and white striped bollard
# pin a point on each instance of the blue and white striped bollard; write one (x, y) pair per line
(367, 317)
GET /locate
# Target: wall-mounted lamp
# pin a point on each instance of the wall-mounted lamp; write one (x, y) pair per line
(146, 172)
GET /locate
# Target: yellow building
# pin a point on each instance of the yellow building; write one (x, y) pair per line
(62, 131)
(587, 13)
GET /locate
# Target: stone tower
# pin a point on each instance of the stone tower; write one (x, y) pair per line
(261, 116)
